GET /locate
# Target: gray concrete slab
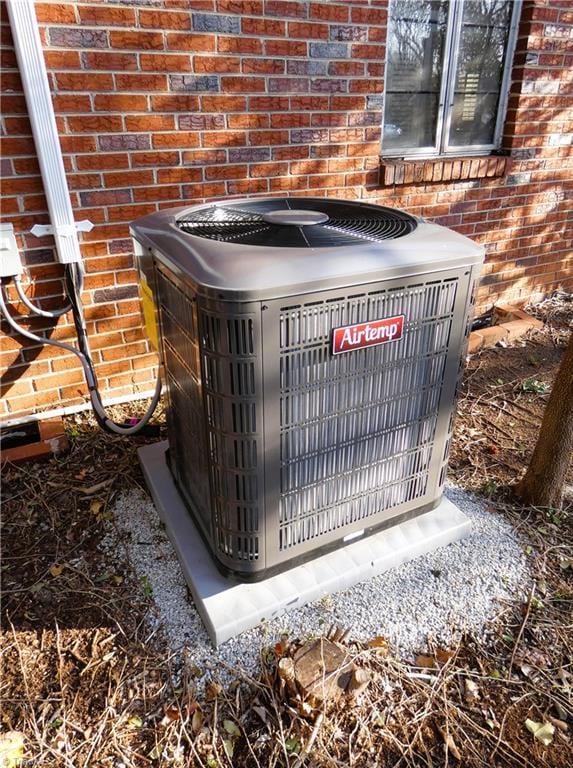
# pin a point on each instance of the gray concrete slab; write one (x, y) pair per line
(228, 607)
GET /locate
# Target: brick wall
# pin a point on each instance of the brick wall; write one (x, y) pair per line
(164, 102)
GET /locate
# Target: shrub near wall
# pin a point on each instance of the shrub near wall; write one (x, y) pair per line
(170, 102)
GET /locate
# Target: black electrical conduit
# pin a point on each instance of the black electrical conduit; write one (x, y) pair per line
(74, 280)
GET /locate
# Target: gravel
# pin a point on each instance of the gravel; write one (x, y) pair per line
(435, 597)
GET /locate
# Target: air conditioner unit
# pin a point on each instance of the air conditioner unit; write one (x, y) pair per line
(312, 350)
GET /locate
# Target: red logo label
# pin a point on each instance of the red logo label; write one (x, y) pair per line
(350, 337)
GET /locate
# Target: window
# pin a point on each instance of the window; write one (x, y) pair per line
(447, 76)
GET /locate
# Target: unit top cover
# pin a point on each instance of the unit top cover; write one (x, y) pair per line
(261, 248)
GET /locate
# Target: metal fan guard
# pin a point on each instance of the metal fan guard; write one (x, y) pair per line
(297, 223)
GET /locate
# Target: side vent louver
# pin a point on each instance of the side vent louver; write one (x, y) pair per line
(178, 317)
(231, 400)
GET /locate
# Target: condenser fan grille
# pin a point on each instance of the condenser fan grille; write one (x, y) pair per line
(297, 223)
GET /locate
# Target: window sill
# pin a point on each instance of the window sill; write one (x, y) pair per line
(395, 172)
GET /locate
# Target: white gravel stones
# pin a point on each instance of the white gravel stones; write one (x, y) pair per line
(436, 596)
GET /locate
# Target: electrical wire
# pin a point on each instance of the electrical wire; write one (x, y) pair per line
(32, 307)
(74, 279)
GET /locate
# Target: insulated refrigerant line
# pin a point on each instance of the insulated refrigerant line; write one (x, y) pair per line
(73, 282)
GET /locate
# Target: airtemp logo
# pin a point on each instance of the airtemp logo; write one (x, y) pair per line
(351, 337)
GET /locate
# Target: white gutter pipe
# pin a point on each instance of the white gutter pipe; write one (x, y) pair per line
(30, 56)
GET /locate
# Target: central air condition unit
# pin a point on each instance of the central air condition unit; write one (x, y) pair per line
(312, 350)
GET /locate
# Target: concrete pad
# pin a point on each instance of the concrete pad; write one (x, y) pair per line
(229, 607)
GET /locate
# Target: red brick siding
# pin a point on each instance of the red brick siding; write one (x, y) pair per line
(215, 98)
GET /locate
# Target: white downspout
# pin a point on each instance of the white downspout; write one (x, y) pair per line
(30, 56)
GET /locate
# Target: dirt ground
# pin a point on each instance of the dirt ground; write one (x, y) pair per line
(501, 405)
(84, 684)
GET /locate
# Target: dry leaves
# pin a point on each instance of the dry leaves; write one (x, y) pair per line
(543, 732)
(426, 662)
(96, 507)
(443, 656)
(231, 728)
(380, 643)
(197, 720)
(11, 749)
(171, 714)
(471, 690)
(212, 690)
(135, 722)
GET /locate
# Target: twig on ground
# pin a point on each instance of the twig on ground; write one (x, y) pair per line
(522, 628)
(312, 738)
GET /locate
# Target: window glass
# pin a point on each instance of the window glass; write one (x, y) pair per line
(482, 44)
(496, 12)
(447, 63)
(415, 60)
